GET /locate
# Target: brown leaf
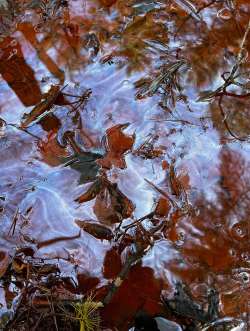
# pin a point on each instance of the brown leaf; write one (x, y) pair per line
(163, 207)
(91, 193)
(17, 73)
(51, 152)
(141, 290)
(96, 230)
(86, 283)
(111, 205)
(42, 107)
(117, 144)
(174, 182)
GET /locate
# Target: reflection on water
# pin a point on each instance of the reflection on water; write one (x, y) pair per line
(148, 90)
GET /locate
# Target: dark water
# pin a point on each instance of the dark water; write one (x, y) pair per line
(165, 88)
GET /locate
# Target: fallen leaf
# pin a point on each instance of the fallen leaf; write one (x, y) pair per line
(86, 283)
(91, 193)
(112, 264)
(86, 164)
(111, 205)
(17, 73)
(52, 153)
(175, 184)
(117, 143)
(163, 207)
(42, 108)
(96, 230)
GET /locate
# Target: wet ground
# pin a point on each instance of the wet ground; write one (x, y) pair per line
(115, 110)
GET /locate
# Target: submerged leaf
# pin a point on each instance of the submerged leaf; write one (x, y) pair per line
(91, 193)
(86, 164)
(97, 230)
(174, 182)
(117, 143)
(163, 207)
(111, 205)
(42, 108)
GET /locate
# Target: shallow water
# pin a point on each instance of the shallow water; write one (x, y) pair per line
(147, 64)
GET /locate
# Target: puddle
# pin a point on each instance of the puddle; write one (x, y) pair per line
(153, 100)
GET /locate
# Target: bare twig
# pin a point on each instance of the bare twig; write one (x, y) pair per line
(161, 192)
(14, 221)
(233, 74)
(148, 216)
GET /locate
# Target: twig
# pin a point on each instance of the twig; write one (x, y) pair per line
(14, 221)
(221, 90)
(24, 130)
(243, 41)
(57, 239)
(233, 95)
(190, 15)
(38, 321)
(148, 216)
(225, 120)
(53, 312)
(131, 259)
(161, 192)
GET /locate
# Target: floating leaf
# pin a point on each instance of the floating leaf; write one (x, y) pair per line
(17, 73)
